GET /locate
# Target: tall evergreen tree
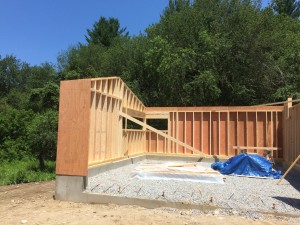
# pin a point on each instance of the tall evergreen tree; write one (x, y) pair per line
(290, 8)
(105, 31)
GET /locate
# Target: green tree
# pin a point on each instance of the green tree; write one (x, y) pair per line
(176, 6)
(44, 98)
(290, 8)
(104, 31)
(42, 136)
(13, 74)
(13, 133)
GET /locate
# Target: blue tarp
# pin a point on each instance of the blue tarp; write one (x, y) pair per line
(248, 165)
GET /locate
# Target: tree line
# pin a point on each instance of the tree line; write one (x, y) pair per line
(200, 53)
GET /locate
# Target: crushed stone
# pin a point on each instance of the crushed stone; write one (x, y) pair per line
(253, 198)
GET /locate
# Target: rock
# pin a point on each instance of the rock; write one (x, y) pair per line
(23, 221)
(216, 212)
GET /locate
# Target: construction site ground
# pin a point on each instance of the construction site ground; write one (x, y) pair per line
(34, 203)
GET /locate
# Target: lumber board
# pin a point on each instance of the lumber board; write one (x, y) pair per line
(289, 169)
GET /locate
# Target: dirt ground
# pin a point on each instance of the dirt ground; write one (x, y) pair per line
(33, 203)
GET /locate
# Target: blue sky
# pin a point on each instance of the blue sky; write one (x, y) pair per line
(35, 31)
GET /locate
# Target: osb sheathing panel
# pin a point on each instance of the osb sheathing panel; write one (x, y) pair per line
(73, 128)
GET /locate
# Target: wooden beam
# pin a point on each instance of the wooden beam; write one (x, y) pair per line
(246, 129)
(92, 127)
(228, 132)
(156, 115)
(103, 128)
(184, 132)
(97, 134)
(134, 113)
(259, 148)
(161, 133)
(256, 141)
(193, 130)
(169, 132)
(201, 131)
(237, 128)
(219, 134)
(266, 130)
(293, 164)
(176, 124)
(210, 132)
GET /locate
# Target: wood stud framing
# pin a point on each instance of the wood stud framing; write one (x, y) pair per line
(191, 130)
(217, 131)
(291, 132)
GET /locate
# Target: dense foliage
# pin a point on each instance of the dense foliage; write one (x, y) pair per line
(201, 52)
(28, 111)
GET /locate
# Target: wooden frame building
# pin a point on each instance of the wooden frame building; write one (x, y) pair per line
(94, 113)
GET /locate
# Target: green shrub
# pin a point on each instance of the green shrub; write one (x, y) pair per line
(25, 171)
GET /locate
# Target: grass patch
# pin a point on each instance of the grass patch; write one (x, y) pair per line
(25, 171)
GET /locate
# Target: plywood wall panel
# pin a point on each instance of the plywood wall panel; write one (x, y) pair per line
(73, 127)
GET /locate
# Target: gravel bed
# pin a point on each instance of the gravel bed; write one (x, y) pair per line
(237, 196)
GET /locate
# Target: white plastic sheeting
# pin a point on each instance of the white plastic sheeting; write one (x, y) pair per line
(178, 171)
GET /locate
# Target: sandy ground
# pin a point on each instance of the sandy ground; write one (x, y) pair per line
(34, 204)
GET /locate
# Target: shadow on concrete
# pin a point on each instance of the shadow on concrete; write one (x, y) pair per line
(294, 202)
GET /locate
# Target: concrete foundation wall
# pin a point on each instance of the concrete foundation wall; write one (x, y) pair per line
(71, 188)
